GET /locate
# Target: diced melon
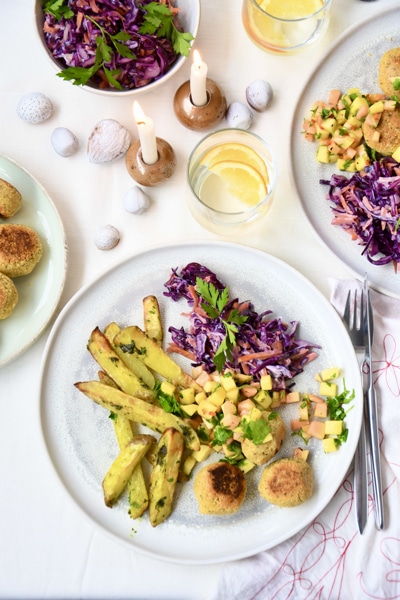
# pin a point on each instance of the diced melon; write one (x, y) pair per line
(333, 427)
(316, 429)
(329, 445)
(376, 107)
(320, 410)
(323, 154)
(303, 411)
(357, 103)
(301, 453)
(292, 397)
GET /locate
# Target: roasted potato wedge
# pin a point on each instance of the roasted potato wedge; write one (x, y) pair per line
(121, 469)
(138, 410)
(101, 350)
(152, 319)
(164, 475)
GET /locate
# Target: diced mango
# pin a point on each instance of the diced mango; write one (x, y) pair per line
(320, 410)
(266, 382)
(190, 409)
(228, 383)
(328, 388)
(207, 409)
(263, 399)
(200, 397)
(168, 388)
(233, 395)
(209, 386)
(292, 397)
(333, 427)
(329, 445)
(377, 107)
(186, 396)
(203, 453)
(331, 373)
(246, 465)
(316, 429)
(217, 397)
(189, 465)
(323, 154)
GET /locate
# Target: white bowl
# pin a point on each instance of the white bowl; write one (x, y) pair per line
(189, 18)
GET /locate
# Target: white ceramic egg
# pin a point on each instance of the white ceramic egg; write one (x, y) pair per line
(64, 142)
(259, 94)
(136, 201)
(239, 115)
(34, 108)
(106, 237)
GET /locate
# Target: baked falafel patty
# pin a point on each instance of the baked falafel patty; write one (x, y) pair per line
(287, 482)
(220, 489)
(389, 133)
(260, 454)
(20, 249)
(10, 199)
(8, 296)
(389, 71)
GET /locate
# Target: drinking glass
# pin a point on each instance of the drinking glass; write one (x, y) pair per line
(279, 33)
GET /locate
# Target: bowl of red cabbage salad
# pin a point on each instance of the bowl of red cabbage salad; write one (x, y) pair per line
(117, 46)
(227, 333)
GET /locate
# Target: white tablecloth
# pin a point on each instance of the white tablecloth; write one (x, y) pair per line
(47, 547)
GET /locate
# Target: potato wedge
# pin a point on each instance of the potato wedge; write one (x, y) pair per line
(137, 489)
(152, 319)
(101, 350)
(164, 475)
(154, 357)
(127, 355)
(138, 410)
(121, 469)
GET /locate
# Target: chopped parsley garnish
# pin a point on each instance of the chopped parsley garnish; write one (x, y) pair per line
(167, 402)
(256, 431)
(215, 305)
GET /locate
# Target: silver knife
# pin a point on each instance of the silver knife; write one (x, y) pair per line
(372, 415)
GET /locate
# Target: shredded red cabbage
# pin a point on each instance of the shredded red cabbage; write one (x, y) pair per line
(280, 353)
(73, 41)
(367, 206)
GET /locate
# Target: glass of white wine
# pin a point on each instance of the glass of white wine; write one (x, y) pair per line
(231, 176)
(285, 26)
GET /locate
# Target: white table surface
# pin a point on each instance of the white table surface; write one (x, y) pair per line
(48, 549)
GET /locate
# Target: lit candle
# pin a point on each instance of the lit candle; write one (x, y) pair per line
(148, 142)
(198, 75)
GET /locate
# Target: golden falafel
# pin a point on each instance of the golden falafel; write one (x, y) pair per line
(287, 482)
(8, 296)
(388, 129)
(20, 249)
(389, 72)
(10, 199)
(220, 489)
(260, 454)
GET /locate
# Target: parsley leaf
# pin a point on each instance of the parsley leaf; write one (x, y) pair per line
(256, 431)
(215, 305)
(167, 402)
(159, 21)
(58, 9)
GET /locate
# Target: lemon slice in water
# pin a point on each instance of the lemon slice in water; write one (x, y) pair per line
(290, 9)
(241, 180)
(235, 152)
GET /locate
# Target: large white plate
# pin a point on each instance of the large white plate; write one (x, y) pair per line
(40, 291)
(79, 435)
(351, 62)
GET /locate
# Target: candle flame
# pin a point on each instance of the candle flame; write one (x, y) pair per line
(138, 113)
(196, 58)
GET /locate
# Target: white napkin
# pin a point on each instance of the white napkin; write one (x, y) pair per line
(329, 559)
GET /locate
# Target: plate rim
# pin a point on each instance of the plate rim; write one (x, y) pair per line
(38, 332)
(128, 543)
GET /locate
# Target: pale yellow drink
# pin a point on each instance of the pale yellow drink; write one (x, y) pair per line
(285, 26)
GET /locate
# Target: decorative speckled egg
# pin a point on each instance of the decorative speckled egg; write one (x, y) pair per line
(64, 142)
(108, 141)
(239, 115)
(34, 108)
(136, 201)
(259, 94)
(106, 237)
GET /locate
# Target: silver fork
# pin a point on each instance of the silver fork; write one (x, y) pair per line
(353, 319)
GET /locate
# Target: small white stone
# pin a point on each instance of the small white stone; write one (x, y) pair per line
(259, 94)
(239, 115)
(34, 108)
(108, 141)
(64, 142)
(136, 201)
(107, 237)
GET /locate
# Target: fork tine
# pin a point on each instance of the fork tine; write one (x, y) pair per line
(347, 310)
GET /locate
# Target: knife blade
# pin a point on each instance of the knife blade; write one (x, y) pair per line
(372, 414)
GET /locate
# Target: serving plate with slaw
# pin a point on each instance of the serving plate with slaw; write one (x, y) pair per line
(79, 436)
(353, 61)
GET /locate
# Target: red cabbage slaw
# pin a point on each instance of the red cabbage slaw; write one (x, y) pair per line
(72, 41)
(367, 206)
(263, 345)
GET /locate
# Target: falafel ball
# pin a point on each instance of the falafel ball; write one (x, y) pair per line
(287, 482)
(8, 296)
(389, 133)
(260, 454)
(389, 71)
(220, 489)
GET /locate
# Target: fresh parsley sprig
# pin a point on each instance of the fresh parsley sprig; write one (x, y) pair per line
(58, 9)
(159, 20)
(215, 307)
(106, 45)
